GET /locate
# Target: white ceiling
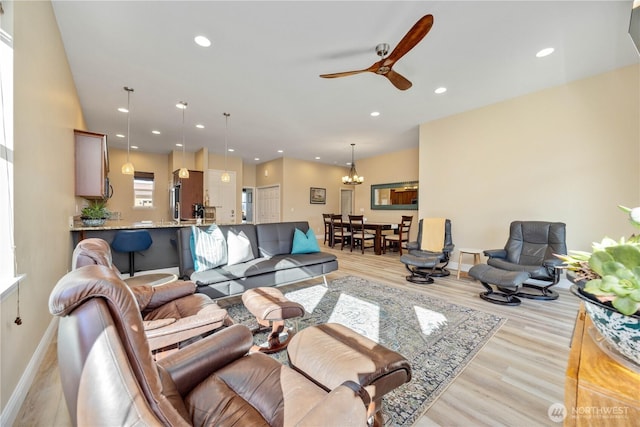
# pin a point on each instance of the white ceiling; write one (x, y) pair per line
(266, 56)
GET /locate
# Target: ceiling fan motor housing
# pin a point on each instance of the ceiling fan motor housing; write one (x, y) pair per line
(382, 49)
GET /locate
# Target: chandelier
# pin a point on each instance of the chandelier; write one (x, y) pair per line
(353, 178)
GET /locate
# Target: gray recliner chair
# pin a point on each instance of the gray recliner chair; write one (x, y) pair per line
(429, 255)
(530, 249)
(526, 267)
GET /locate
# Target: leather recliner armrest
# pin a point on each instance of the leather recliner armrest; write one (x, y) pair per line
(552, 263)
(215, 317)
(413, 246)
(495, 253)
(345, 405)
(169, 292)
(192, 364)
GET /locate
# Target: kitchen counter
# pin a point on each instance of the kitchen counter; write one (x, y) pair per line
(163, 252)
(124, 225)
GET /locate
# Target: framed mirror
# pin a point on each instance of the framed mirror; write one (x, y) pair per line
(395, 196)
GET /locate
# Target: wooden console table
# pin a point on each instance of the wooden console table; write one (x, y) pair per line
(598, 390)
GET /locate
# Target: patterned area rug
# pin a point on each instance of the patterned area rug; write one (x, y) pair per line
(438, 338)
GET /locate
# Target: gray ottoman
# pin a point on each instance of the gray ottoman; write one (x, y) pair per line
(507, 283)
(420, 268)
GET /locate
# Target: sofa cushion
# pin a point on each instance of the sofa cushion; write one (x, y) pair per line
(304, 243)
(277, 238)
(238, 247)
(260, 266)
(208, 248)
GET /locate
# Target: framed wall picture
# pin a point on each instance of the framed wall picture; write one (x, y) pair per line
(318, 195)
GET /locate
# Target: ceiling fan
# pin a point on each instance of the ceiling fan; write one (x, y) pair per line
(383, 67)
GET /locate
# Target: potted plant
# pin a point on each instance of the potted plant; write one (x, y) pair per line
(95, 214)
(608, 280)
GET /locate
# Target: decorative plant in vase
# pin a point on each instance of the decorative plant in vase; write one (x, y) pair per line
(608, 280)
(95, 214)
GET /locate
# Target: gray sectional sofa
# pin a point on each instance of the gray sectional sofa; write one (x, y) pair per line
(272, 263)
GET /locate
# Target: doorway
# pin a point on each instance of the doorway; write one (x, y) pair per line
(346, 202)
(267, 205)
(247, 205)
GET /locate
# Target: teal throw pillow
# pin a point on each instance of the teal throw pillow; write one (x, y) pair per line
(208, 248)
(304, 243)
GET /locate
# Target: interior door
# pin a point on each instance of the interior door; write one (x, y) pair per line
(222, 195)
(267, 204)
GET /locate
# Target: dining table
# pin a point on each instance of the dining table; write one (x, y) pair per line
(376, 227)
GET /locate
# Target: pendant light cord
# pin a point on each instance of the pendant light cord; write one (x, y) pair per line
(226, 133)
(128, 121)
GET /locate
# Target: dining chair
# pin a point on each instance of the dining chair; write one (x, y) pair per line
(326, 219)
(339, 233)
(402, 237)
(359, 234)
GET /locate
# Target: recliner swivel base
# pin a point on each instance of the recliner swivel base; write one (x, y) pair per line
(421, 268)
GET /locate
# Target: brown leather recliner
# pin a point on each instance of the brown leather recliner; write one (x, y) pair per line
(110, 378)
(173, 313)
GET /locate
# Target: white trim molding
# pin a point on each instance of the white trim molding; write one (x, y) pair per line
(11, 410)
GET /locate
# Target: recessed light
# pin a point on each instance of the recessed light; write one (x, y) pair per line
(280, 151)
(231, 150)
(256, 158)
(135, 147)
(123, 110)
(440, 90)
(202, 41)
(155, 132)
(178, 145)
(317, 158)
(375, 114)
(181, 105)
(199, 126)
(545, 52)
(119, 135)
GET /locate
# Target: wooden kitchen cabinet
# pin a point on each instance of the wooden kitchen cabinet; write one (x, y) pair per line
(191, 192)
(91, 165)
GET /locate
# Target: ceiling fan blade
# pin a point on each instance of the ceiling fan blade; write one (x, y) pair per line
(411, 39)
(344, 74)
(372, 69)
(398, 80)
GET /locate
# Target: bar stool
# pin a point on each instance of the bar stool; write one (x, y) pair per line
(131, 241)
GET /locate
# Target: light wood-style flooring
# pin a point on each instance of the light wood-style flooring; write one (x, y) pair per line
(512, 381)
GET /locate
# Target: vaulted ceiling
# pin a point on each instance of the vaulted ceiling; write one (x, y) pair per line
(265, 59)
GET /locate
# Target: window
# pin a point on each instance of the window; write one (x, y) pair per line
(7, 266)
(142, 189)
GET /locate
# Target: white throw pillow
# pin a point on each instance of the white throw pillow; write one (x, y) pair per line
(238, 248)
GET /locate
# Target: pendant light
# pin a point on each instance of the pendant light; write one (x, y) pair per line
(353, 178)
(183, 172)
(225, 175)
(127, 168)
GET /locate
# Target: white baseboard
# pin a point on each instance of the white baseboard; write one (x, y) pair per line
(11, 410)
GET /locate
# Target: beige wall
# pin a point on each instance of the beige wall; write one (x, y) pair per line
(398, 166)
(570, 153)
(298, 178)
(248, 175)
(46, 110)
(122, 200)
